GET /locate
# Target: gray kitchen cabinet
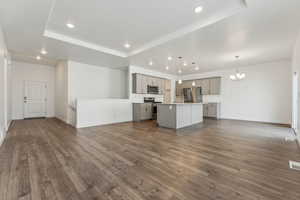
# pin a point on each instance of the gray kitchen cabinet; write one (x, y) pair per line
(215, 86)
(211, 110)
(187, 84)
(156, 82)
(140, 83)
(161, 86)
(144, 80)
(142, 111)
(198, 83)
(205, 110)
(137, 83)
(205, 83)
(179, 89)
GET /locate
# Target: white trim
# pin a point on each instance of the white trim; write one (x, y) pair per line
(8, 125)
(294, 163)
(2, 135)
(71, 40)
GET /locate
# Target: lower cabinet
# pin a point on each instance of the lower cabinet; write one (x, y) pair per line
(142, 111)
(211, 110)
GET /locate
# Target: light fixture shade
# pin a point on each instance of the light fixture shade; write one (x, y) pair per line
(127, 45)
(180, 81)
(232, 77)
(237, 76)
(193, 83)
(70, 25)
(198, 9)
(243, 75)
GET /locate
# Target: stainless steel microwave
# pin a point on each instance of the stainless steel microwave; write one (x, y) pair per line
(152, 89)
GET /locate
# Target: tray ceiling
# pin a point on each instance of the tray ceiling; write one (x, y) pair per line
(107, 25)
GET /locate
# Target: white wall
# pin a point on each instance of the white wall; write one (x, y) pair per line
(61, 91)
(95, 112)
(82, 81)
(265, 95)
(31, 72)
(88, 81)
(140, 70)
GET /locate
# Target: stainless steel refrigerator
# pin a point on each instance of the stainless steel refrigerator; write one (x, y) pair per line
(193, 95)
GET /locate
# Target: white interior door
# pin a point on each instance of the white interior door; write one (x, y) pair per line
(35, 98)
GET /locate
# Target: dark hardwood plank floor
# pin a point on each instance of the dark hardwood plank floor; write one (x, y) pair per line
(230, 160)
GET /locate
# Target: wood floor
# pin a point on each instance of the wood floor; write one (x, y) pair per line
(46, 159)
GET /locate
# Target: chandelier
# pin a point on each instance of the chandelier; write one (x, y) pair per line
(238, 75)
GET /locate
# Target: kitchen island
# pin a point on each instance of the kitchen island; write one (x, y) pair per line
(179, 115)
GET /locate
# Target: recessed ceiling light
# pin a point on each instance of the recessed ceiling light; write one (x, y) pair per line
(197, 68)
(69, 25)
(38, 57)
(184, 64)
(170, 58)
(44, 52)
(151, 63)
(179, 71)
(167, 67)
(127, 45)
(198, 9)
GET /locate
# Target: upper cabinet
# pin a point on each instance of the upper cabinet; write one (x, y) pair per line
(215, 86)
(205, 85)
(140, 83)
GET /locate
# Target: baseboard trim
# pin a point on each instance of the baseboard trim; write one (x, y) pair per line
(297, 137)
(2, 135)
(261, 122)
(9, 125)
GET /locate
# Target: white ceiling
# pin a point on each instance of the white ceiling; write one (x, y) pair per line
(258, 31)
(265, 31)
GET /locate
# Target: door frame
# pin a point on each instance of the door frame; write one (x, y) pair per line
(46, 92)
(295, 105)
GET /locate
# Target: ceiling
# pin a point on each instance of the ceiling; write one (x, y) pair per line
(258, 31)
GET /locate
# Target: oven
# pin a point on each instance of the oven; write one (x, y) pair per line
(154, 106)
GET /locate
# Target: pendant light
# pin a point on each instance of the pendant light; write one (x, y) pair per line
(179, 71)
(238, 75)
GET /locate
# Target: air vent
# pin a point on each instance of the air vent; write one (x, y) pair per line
(295, 165)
